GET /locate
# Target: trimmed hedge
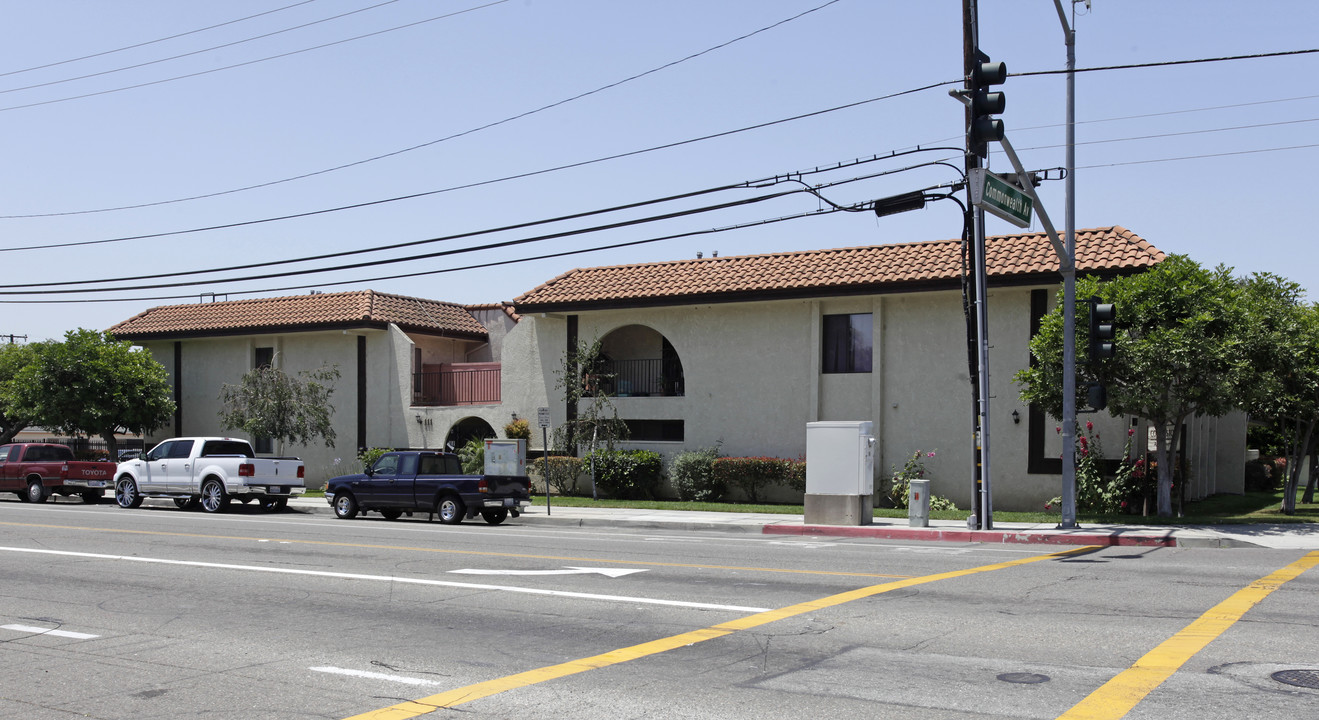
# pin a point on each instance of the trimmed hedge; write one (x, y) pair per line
(626, 474)
(564, 471)
(692, 477)
(752, 475)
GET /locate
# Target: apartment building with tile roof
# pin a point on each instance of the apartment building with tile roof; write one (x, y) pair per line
(738, 351)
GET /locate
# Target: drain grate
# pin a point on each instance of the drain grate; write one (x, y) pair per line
(1024, 678)
(1298, 678)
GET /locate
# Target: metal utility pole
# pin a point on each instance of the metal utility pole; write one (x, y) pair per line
(982, 497)
(1068, 269)
(974, 220)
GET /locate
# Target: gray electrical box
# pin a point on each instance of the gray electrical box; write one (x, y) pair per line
(840, 472)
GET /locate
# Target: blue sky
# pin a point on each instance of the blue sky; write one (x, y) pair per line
(1212, 160)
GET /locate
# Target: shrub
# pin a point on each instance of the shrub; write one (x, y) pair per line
(519, 429)
(564, 471)
(1261, 476)
(626, 474)
(899, 487)
(692, 477)
(752, 475)
(369, 456)
(472, 455)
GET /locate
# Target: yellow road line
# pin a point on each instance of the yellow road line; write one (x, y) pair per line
(459, 696)
(444, 551)
(1118, 696)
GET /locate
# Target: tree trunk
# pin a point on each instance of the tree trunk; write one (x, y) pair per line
(1163, 456)
(111, 445)
(1304, 433)
(1314, 474)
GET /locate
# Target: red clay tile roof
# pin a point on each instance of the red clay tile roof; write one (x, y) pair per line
(1011, 259)
(330, 311)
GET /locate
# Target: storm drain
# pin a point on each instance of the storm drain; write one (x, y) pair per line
(1298, 678)
(1024, 678)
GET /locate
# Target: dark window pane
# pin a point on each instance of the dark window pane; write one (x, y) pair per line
(848, 343)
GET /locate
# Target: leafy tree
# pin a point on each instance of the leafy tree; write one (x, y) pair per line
(1180, 352)
(1282, 384)
(92, 384)
(13, 417)
(268, 403)
(585, 379)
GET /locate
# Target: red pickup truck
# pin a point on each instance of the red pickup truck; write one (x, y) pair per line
(35, 471)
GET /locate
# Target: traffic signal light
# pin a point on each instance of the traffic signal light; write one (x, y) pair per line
(1096, 396)
(1102, 330)
(983, 128)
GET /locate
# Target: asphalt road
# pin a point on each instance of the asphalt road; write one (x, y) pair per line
(161, 613)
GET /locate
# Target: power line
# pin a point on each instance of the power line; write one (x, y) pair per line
(153, 42)
(470, 185)
(752, 184)
(1169, 63)
(444, 253)
(437, 141)
(1199, 157)
(478, 266)
(253, 62)
(199, 52)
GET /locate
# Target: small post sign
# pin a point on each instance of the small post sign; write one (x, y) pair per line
(543, 419)
(997, 196)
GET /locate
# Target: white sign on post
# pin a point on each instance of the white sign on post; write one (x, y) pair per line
(543, 417)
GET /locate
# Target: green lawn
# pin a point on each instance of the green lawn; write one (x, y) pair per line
(1216, 510)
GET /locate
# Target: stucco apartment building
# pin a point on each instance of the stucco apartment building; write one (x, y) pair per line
(740, 351)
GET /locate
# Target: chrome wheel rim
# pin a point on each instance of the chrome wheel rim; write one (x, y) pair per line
(211, 493)
(124, 493)
(448, 509)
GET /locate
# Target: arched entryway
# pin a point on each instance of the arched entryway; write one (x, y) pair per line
(469, 428)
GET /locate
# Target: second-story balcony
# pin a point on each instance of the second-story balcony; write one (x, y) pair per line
(638, 378)
(457, 384)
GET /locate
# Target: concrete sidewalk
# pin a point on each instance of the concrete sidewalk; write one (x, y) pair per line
(1298, 536)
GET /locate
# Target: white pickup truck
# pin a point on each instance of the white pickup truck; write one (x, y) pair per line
(208, 471)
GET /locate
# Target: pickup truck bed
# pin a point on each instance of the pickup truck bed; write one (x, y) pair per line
(35, 471)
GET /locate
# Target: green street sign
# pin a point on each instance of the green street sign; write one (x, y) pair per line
(997, 196)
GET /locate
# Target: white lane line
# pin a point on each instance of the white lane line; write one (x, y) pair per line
(407, 580)
(49, 631)
(374, 676)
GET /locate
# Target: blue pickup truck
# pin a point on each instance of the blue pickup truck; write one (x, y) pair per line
(425, 481)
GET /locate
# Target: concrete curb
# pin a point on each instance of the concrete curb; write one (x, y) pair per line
(1020, 537)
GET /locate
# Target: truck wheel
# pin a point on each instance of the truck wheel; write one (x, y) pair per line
(92, 497)
(187, 503)
(345, 506)
(274, 504)
(450, 509)
(391, 514)
(36, 492)
(125, 493)
(494, 517)
(214, 498)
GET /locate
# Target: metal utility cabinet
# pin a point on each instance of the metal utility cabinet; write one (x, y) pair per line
(840, 472)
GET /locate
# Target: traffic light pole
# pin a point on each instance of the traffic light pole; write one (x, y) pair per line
(973, 221)
(1068, 268)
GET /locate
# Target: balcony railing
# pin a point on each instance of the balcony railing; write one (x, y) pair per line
(637, 378)
(457, 384)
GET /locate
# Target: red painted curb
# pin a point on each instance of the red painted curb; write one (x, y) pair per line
(983, 536)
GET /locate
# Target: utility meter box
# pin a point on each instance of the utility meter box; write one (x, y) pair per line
(840, 472)
(918, 503)
(506, 457)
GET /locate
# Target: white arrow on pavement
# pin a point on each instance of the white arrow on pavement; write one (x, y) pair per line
(611, 572)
